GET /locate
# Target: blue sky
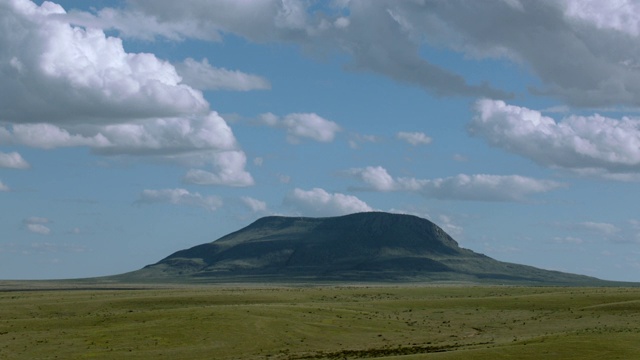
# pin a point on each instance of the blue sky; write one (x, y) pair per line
(133, 129)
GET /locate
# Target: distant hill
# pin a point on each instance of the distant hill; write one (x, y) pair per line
(362, 247)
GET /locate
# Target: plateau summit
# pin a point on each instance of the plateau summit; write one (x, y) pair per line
(361, 247)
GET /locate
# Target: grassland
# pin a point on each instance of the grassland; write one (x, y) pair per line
(329, 322)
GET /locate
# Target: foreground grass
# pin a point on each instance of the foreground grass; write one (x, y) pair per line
(410, 322)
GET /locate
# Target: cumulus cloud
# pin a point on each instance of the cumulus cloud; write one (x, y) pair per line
(389, 47)
(599, 227)
(477, 187)
(270, 20)
(598, 230)
(48, 136)
(587, 144)
(376, 177)
(614, 15)
(179, 197)
(483, 187)
(580, 61)
(284, 179)
(448, 224)
(546, 37)
(414, 138)
(192, 141)
(635, 227)
(3, 187)
(319, 202)
(303, 125)
(67, 84)
(55, 72)
(357, 139)
(13, 160)
(138, 25)
(583, 52)
(37, 225)
(254, 205)
(201, 75)
(392, 48)
(230, 171)
(168, 135)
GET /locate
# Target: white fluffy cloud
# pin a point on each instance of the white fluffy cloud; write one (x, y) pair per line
(54, 72)
(254, 205)
(169, 135)
(380, 38)
(358, 139)
(13, 160)
(478, 187)
(483, 187)
(447, 223)
(67, 85)
(152, 136)
(201, 75)
(4, 187)
(389, 47)
(48, 136)
(230, 171)
(580, 61)
(198, 141)
(180, 197)
(37, 225)
(261, 21)
(616, 15)
(593, 144)
(319, 202)
(414, 138)
(304, 125)
(584, 52)
(138, 25)
(598, 231)
(376, 177)
(599, 227)
(38, 229)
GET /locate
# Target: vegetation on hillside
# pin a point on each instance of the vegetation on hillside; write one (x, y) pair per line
(371, 246)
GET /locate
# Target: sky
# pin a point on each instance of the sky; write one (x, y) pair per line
(133, 129)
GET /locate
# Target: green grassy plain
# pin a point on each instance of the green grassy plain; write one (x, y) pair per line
(327, 322)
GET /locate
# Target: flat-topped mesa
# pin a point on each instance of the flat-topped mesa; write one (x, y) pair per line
(368, 230)
(370, 246)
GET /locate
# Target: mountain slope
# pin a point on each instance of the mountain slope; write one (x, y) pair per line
(372, 246)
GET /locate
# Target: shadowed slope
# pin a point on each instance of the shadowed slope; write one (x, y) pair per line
(372, 246)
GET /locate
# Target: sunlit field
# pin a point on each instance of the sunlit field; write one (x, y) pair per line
(329, 322)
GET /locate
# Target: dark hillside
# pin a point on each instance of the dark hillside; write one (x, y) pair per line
(371, 246)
